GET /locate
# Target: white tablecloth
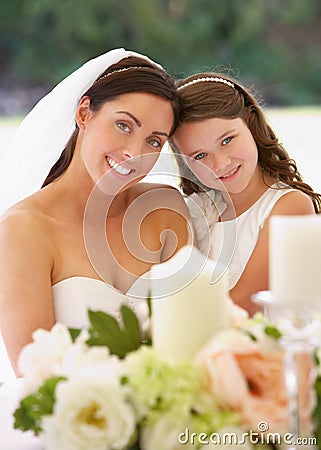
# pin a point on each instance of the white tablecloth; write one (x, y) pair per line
(11, 439)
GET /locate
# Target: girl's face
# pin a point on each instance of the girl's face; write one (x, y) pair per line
(124, 138)
(221, 152)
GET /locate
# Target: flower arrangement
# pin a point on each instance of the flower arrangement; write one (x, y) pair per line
(107, 388)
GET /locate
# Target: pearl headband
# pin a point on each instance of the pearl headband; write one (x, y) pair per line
(203, 79)
(124, 69)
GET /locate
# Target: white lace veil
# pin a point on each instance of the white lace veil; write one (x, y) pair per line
(43, 134)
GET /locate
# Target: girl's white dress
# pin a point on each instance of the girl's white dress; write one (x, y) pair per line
(231, 242)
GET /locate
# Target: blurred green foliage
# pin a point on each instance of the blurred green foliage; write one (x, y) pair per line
(274, 45)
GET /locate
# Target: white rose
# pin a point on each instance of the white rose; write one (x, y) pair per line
(81, 360)
(238, 315)
(89, 413)
(43, 358)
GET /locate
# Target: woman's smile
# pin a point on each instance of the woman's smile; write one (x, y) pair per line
(118, 167)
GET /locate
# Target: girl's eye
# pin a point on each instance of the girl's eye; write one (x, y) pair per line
(226, 140)
(123, 126)
(200, 156)
(154, 142)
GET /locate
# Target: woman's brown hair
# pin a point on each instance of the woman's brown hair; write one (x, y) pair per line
(132, 74)
(226, 98)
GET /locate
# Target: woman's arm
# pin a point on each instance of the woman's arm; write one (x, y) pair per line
(25, 280)
(255, 276)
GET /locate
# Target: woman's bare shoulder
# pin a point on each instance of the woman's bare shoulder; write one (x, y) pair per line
(23, 221)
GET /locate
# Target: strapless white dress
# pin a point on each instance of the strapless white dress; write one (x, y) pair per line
(73, 297)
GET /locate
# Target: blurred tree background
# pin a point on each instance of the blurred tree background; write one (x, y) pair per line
(274, 45)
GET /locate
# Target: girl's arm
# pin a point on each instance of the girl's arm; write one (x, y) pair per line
(25, 281)
(255, 276)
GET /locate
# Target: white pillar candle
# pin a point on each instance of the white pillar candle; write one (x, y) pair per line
(295, 259)
(189, 303)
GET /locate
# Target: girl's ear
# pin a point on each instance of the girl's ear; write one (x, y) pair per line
(83, 112)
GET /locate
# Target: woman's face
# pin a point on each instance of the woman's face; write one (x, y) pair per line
(122, 141)
(221, 152)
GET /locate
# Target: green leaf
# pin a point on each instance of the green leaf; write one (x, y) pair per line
(149, 303)
(316, 358)
(135, 447)
(250, 335)
(106, 331)
(272, 331)
(131, 326)
(134, 441)
(74, 333)
(31, 408)
(317, 411)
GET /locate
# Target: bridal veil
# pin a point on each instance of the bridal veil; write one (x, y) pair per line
(43, 134)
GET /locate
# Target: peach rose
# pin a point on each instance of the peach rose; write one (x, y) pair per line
(251, 380)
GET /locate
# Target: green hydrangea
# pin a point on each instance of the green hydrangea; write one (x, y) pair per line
(157, 385)
(213, 421)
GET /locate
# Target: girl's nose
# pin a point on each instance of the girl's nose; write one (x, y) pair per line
(220, 162)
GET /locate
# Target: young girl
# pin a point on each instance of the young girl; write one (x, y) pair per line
(225, 143)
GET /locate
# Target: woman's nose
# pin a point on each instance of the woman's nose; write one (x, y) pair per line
(133, 149)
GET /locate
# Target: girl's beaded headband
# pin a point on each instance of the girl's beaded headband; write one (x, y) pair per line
(202, 79)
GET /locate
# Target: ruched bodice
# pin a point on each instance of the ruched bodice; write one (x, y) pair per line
(73, 297)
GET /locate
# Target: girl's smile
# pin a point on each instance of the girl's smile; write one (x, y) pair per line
(231, 174)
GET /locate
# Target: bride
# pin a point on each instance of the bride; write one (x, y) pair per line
(89, 236)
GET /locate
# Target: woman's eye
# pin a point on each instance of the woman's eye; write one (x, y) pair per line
(200, 156)
(123, 126)
(226, 140)
(154, 142)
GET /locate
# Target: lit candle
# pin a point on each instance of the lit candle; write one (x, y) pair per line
(295, 259)
(189, 303)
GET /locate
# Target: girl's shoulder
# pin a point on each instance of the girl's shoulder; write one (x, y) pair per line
(293, 202)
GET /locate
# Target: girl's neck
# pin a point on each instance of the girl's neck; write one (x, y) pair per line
(242, 201)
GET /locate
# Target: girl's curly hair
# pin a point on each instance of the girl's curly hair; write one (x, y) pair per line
(228, 99)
